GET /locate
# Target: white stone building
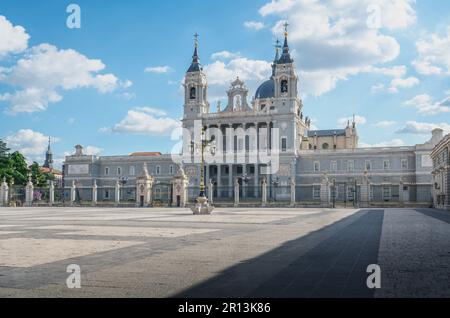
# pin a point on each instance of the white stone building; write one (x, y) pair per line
(263, 143)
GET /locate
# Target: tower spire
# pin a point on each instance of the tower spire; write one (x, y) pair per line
(195, 65)
(285, 56)
(48, 156)
(277, 56)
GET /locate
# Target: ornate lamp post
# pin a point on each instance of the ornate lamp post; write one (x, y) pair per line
(203, 206)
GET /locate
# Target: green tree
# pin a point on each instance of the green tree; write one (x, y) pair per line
(14, 168)
(38, 178)
(3, 149)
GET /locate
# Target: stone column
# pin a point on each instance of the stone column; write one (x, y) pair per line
(51, 194)
(401, 199)
(244, 185)
(29, 189)
(257, 193)
(268, 137)
(94, 193)
(210, 191)
(4, 193)
(365, 191)
(236, 193)
(325, 191)
(219, 177)
(73, 190)
(117, 193)
(230, 179)
(292, 192)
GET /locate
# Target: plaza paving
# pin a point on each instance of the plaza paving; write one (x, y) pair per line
(240, 252)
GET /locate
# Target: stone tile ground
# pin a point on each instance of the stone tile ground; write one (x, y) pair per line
(241, 252)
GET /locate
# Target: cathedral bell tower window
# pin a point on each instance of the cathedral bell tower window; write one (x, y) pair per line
(192, 92)
(284, 86)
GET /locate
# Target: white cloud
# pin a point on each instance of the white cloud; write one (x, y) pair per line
(418, 128)
(254, 25)
(221, 74)
(92, 150)
(224, 55)
(425, 105)
(385, 123)
(391, 143)
(433, 54)
(146, 121)
(359, 120)
(14, 39)
(28, 142)
(397, 83)
(158, 69)
(332, 39)
(377, 88)
(45, 70)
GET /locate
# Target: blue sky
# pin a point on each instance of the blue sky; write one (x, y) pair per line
(114, 85)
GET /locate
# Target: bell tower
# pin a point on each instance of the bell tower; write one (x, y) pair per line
(195, 87)
(284, 73)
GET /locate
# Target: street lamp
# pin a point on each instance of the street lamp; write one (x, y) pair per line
(202, 206)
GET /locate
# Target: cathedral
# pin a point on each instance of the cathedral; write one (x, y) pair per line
(256, 152)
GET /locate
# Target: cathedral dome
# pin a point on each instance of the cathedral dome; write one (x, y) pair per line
(266, 90)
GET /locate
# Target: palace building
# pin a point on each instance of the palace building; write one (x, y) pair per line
(261, 151)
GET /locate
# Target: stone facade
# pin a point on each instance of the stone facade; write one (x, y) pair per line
(262, 152)
(441, 173)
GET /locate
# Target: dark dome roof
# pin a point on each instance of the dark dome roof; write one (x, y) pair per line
(266, 90)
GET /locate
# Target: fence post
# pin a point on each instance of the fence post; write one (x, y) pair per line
(292, 192)
(4, 195)
(325, 191)
(29, 189)
(236, 193)
(73, 190)
(94, 193)
(51, 193)
(117, 194)
(264, 192)
(210, 191)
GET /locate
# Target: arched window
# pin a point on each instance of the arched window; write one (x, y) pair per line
(192, 92)
(284, 86)
(325, 146)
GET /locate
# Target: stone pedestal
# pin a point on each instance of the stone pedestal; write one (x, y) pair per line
(292, 192)
(210, 191)
(51, 194)
(264, 192)
(325, 193)
(117, 193)
(202, 206)
(94, 193)
(144, 185)
(236, 193)
(4, 193)
(29, 191)
(73, 192)
(365, 191)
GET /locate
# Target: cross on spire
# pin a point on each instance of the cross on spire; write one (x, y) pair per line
(196, 35)
(286, 24)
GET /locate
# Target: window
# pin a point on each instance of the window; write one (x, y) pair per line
(316, 166)
(132, 171)
(192, 93)
(227, 170)
(252, 169)
(333, 166)
(171, 169)
(106, 194)
(350, 193)
(350, 165)
(386, 164)
(371, 194)
(310, 147)
(106, 171)
(325, 146)
(239, 170)
(119, 171)
(316, 192)
(368, 165)
(263, 106)
(284, 86)
(283, 144)
(158, 170)
(386, 193)
(404, 164)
